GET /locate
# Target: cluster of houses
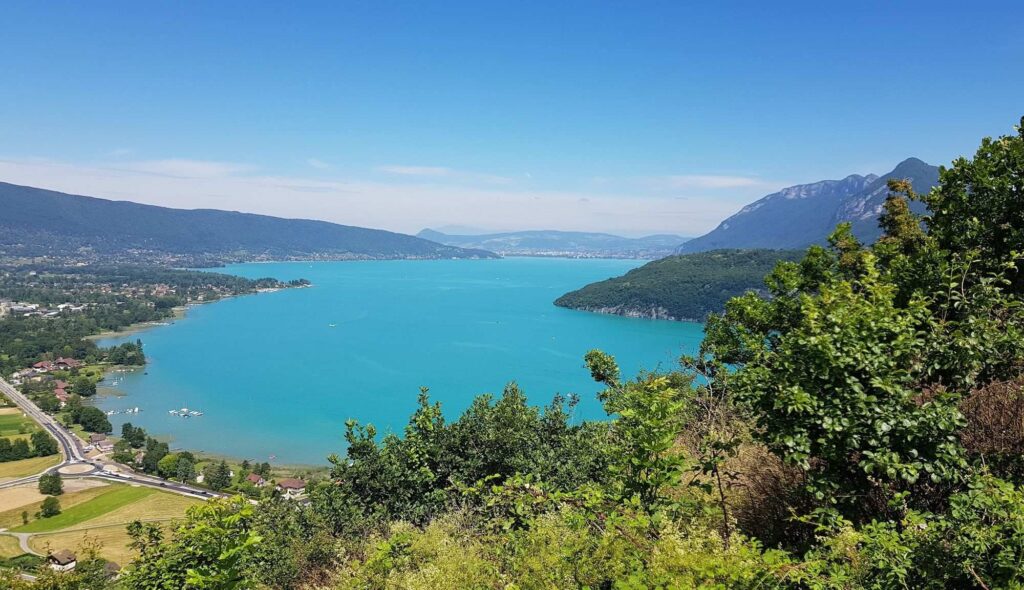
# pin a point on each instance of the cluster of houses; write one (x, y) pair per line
(19, 309)
(289, 486)
(39, 371)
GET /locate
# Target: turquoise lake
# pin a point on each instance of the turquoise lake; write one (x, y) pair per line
(276, 375)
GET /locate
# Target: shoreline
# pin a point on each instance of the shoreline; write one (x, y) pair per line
(180, 313)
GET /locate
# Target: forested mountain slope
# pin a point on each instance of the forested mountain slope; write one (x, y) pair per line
(37, 222)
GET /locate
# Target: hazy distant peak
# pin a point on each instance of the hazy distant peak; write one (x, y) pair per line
(550, 242)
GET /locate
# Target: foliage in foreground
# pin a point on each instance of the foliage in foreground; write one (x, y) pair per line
(856, 393)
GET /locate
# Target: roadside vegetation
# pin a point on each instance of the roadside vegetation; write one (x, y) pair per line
(21, 440)
(857, 426)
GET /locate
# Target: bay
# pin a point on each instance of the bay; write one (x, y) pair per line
(276, 375)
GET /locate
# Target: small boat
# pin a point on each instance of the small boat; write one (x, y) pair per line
(332, 325)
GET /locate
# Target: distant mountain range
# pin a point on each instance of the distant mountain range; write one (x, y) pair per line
(806, 214)
(35, 222)
(561, 243)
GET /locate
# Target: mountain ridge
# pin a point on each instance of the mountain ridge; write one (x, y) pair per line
(805, 214)
(40, 222)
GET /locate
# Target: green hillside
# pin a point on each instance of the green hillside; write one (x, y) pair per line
(682, 287)
(38, 222)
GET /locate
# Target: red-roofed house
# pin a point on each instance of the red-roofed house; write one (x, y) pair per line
(43, 366)
(67, 363)
(256, 479)
(62, 396)
(291, 487)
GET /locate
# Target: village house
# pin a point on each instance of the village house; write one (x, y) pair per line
(62, 561)
(23, 376)
(62, 396)
(71, 307)
(67, 363)
(43, 366)
(256, 479)
(100, 442)
(291, 488)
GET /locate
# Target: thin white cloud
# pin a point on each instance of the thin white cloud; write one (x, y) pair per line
(701, 181)
(183, 168)
(406, 205)
(318, 164)
(436, 171)
(442, 172)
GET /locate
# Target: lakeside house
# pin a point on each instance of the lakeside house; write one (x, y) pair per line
(97, 437)
(62, 561)
(43, 366)
(256, 479)
(291, 487)
(67, 363)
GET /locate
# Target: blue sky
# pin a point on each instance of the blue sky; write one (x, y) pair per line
(631, 117)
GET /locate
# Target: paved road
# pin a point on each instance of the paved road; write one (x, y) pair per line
(70, 445)
(71, 448)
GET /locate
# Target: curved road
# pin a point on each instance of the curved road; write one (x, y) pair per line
(73, 453)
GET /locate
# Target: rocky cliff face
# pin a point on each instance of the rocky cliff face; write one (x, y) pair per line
(648, 312)
(806, 214)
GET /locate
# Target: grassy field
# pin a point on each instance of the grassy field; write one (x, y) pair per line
(104, 518)
(14, 469)
(113, 538)
(156, 506)
(12, 422)
(12, 517)
(110, 500)
(9, 546)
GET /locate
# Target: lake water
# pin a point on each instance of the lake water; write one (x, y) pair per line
(277, 374)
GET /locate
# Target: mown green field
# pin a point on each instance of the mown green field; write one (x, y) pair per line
(12, 423)
(106, 502)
